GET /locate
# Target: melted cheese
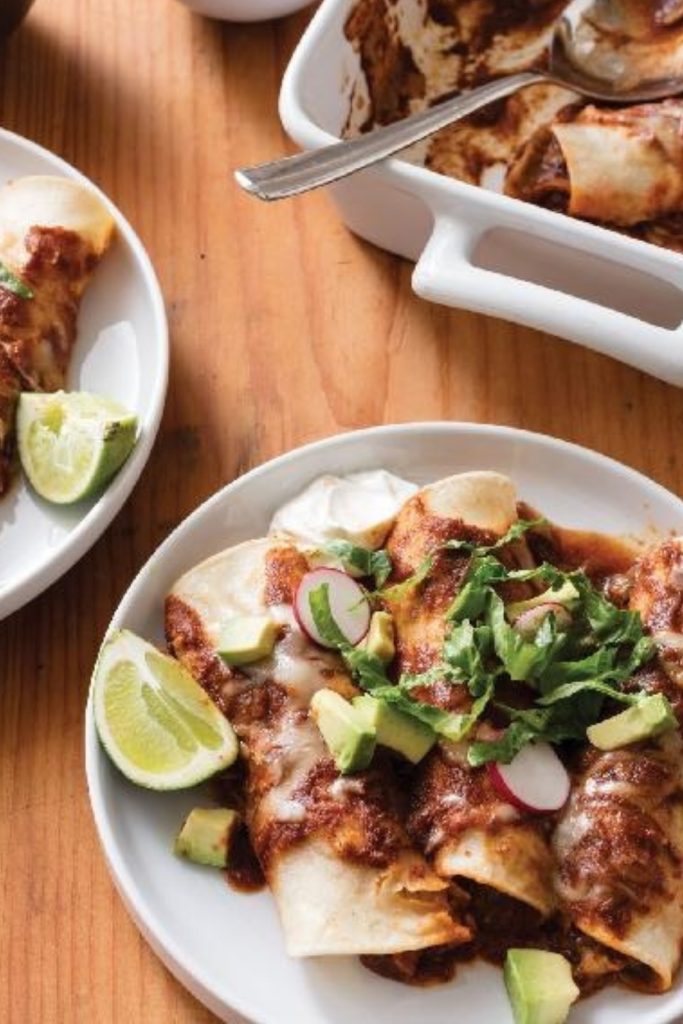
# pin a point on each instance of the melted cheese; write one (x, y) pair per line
(302, 669)
(297, 665)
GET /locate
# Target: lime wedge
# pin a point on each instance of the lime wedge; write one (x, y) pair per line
(156, 723)
(72, 443)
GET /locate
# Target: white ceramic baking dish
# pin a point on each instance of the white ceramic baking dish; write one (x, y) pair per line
(482, 251)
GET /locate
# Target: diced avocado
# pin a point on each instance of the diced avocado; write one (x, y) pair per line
(566, 595)
(380, 638)
(206, 836)
(395, 729)
(349, 737)
(247, 638)
(540, 986)
(650, 717)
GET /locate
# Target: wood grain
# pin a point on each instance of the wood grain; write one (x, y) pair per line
(284, 329)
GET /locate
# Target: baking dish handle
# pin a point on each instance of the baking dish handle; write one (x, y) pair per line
(448, 274)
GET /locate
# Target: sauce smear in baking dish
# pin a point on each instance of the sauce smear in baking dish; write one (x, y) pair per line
(619, 167)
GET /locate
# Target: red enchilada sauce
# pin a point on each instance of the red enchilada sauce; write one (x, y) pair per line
(244, 871)
(598, 554)
(463, 44)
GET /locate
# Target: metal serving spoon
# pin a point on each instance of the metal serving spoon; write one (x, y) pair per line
(580, 58)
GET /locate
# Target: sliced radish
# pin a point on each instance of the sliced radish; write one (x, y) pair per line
(535, 780)
(348, 604)
(527, 624)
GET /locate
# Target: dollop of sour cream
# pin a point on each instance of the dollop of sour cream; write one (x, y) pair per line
(360, 508)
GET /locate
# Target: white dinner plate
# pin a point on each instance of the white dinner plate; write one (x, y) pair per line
(121, 352)
(225, 946)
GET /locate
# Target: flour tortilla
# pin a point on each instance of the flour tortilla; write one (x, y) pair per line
(511, 857)
(328, 904)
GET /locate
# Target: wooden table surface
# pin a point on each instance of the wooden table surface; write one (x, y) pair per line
(284, 329)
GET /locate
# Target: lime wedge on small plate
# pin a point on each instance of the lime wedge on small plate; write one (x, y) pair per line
(154, 720)
(72, 443)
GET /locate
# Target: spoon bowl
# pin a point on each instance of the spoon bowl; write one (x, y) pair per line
(613, 51)
(616, 51)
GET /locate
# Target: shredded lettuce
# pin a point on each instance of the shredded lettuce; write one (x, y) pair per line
(376, 564)
(370, 672)
(325, 623)
(13, 283)
(515, 532)
(569, 690)
(523, 660)
(566, 674)
(398, 590)
(570, 673)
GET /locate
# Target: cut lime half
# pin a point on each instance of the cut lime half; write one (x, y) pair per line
(72, 443)
(154, 720)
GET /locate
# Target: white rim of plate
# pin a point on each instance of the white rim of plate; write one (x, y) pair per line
(99, 516)
(188, 970)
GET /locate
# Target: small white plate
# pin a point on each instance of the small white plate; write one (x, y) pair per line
(121, 352)
(226, 947)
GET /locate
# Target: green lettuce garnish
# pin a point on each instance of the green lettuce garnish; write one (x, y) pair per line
(566, 672)
(13, 283)
(514, 533)
(365, 562)
(399, 590)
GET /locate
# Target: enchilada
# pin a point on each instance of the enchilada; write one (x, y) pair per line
(457, 817)
(343, 871)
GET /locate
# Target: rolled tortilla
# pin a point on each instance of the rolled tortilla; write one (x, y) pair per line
(615, 166)
(457, 817)
(657, 588)
(53, 233)
(619, 843)
(472, 506)
(343, 872)
(619, 849)
(625, 166)
(656, 593)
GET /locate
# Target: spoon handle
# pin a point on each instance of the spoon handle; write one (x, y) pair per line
(305, 171)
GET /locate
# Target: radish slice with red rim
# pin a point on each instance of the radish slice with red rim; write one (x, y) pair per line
(534, 781)
(348, 604)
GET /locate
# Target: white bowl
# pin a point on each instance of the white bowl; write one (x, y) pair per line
(227, 947)
(245, 10)
(122, 352)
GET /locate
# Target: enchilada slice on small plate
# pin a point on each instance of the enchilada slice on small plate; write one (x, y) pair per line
(227, 947)
(55, 234)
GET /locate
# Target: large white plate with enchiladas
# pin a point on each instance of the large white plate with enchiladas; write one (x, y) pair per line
(451, 656)
(80, 312)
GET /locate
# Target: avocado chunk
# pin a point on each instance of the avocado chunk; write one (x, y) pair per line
(347, 734)
(206, 836)
(380, 638)
(650, 717)
(395, 729)
(247, 638)
(567, 595)
(539, 985)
